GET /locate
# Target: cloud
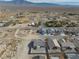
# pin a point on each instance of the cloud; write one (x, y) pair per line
(46, 0)
(5, 0)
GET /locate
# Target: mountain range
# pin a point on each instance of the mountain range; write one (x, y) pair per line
(23, 2)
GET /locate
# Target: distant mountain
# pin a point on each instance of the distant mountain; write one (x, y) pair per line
(69, 3)
(46, 4)
(23, 2)
(16, 2)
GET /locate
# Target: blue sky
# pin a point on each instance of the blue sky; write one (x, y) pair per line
(50, 0)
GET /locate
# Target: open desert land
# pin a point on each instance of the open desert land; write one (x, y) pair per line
(19, 25)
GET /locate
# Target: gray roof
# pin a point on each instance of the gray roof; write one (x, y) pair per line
(75, 56)
(39, 42)
(51, 43)
(68, 44)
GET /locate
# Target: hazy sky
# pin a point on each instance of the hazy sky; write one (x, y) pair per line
(54, 0)
(50, 0)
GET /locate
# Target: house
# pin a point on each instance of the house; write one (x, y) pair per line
(56, 43)
(68, 47)
(39, 43)
(38, 46)
(51, 44)
(67, 44)
(73, 56)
